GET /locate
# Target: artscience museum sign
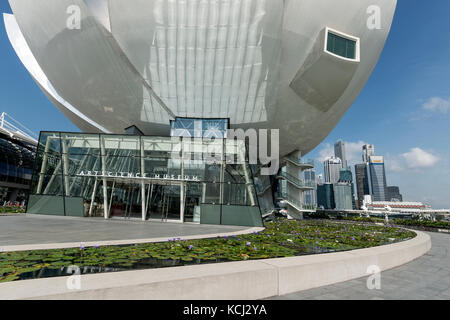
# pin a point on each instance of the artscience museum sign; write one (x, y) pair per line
(131, 175)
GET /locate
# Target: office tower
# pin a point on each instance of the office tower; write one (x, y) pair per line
(346, 176)
(368, 151)
(362, 182)
(325, 196)
(339, 152)
(343, 196)
(394, 194)
(377, 178)
(331, 169)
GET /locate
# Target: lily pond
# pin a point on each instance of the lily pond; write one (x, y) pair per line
(281, 238)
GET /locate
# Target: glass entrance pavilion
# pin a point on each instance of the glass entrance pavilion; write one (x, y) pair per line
(184, 179)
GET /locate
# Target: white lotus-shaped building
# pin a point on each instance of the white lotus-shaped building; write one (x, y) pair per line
(293, 65)
(111, 65)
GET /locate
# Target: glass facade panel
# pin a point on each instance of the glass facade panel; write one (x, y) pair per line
(48, 185)
(80, 144)
(199, 128)
(125, 146)
(144, 176)
(83, 163)
(341, 46)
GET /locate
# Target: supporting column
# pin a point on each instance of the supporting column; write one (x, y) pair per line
(249, 183)
(149, 194)
(93, 197)
(43, 166)
(105, 186)
(65, 159)
(111, 198)
(143, 202)
(182, 201)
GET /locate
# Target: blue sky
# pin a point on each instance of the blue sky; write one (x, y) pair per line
(404, 110)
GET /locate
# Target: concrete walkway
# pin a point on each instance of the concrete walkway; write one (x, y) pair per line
(425, 278)
(44, 232)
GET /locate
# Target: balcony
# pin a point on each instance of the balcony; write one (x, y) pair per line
(295, 203)
(305, 164)
(297, 182)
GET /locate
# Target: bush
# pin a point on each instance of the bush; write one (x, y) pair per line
(423, 223)
(11, 210)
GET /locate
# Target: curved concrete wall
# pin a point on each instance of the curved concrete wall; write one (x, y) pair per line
(229, 59)
(234, 280)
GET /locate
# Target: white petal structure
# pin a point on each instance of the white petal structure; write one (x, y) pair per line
(294, 65)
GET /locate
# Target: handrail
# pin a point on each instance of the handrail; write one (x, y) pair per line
(301, 162)
(296, 203)
(297, 181)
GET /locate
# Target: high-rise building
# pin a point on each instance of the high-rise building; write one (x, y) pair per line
(377, 178)
(346, 176)
(331, 169)
(325, 196)
(368, 151)
(394, 194)
(362, 182)
(339, 152)
(343, 196)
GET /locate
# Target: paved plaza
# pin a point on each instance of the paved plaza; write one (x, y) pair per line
(425, 278)
(36, 229)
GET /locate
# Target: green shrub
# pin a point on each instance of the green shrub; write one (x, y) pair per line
(423, 223)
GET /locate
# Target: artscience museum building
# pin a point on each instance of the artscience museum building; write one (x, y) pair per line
(158, 86)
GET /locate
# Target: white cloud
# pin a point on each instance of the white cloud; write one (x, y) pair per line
(394, 164)
(417, 158)
(353, 151)
(326, 152)
(437, 104)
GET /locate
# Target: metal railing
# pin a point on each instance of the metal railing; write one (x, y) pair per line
(295, 202)
(302, 184)
(301, 162)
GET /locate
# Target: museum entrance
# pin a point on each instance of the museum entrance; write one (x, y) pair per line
(164, 202)
(159, 200)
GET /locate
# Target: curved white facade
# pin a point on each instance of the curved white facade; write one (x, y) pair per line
(260, 63)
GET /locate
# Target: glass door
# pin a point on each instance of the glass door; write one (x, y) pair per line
(164, 202)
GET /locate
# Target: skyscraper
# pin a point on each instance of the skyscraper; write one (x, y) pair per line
(362, 182)
(343, 196)
(394, 194)
(368, 151)
(339, 152)
(331, 169)
(346, 176)
(325, 196)
(377, 178)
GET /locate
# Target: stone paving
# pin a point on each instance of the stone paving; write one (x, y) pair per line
(427, 278)
(36, 229)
